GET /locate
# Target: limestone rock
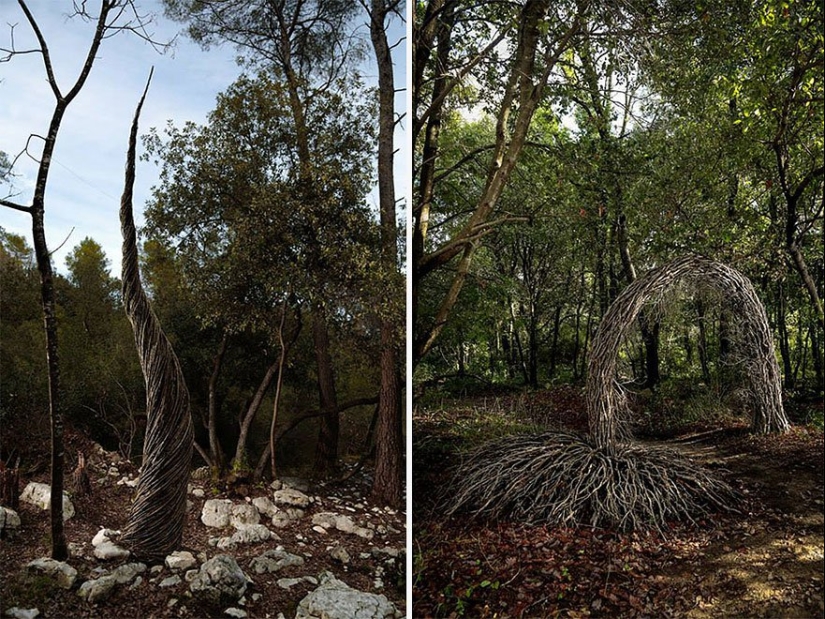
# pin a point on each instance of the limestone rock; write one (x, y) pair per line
(39, 495)
(274, 560)
(343, 523)
(252, 533)
(105, 548)
(220, 581)
(171, 581)
(101, 588)
(291, 498)
(265, 506)
(22, 613)
(243, 515)
(62, 572)
(216, 513)
(287, 517)
(334, 599)
(339, 553)
(181, 560)
(9, 522)
(235, 612)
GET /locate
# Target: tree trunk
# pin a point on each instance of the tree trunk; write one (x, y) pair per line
(386, 487)
(157, 515)
(784, 343)
(326, 455)
(215, 451)
(239, 462)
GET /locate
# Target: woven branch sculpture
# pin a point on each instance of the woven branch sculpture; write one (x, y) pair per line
(157, 515)
(606, 479)
(606, 402)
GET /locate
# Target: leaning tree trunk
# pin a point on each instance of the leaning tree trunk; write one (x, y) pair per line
(606, 402)
(157, 514)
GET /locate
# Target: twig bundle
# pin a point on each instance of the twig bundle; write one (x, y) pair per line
(560, 478)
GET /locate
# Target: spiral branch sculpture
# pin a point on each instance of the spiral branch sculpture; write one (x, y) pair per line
(158, 512)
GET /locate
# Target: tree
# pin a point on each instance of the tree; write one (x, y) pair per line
(533, 53)
(246, 235)
(157, 515)
(386, 486)
(307, 45)
(112, 18)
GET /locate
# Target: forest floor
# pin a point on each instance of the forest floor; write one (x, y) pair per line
(368, 567)
(766, 561)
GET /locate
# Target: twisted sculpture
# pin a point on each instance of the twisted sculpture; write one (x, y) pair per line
(157, 514)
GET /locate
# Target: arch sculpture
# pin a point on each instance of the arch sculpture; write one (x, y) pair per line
(605, 479)
(606, 402)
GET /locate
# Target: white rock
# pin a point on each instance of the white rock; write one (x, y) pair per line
(39, 495)
(243, 515)
(198, 493)
(101, 588)
(334, 599)
(9, 522)
(287, 517)
(181, 560)
(339, 553)
(251, 534)
(265, 506)
(62, 572)
(104, 535)
(325, 519)
(291, 498)
(319, 529)
(22, 613)
(276, 485)
(216, 513)
(219, 581)
(235, 612)
(275, 560)
(171, 581)
(108, 550)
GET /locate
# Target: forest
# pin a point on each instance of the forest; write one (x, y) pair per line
(617, 278)
(241, 376)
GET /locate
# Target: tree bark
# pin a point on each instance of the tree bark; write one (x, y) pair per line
(522, 93)
(239, 461)
(326, 455)
(215, 450)
(387, 480)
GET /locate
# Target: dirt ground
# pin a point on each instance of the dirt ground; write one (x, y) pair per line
(368, 569)
(766, 561)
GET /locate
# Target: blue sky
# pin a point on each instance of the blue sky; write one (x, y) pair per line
(86, 178)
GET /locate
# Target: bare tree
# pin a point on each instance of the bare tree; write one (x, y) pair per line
(114, 16)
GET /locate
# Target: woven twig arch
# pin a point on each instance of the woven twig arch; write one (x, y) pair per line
(606, 401)
(157, 515)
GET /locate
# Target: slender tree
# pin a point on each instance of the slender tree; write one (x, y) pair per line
(110, 20)
(388, 438)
